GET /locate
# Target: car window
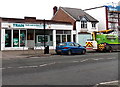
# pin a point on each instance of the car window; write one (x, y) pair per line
(62, 44)
(76, 44)
(71, 44)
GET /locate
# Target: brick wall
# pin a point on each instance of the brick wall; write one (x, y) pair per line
(63, 16)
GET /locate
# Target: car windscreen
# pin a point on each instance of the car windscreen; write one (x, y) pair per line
(62, 44)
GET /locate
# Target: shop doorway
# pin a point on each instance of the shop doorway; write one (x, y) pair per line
(30, 34)
(30, 38)
(15, 38)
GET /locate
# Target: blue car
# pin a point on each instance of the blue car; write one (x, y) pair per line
(70, 48)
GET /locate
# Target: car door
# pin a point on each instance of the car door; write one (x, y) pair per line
(72, 47)
(77, 48)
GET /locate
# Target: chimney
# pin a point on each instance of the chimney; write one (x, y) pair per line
(54, 10)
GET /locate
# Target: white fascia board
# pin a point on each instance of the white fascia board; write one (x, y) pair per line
(60, 27)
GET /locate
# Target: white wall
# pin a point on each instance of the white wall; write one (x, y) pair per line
(60, 26)
(100, 15)
(2, 39)
(89, 27)
(37, 26)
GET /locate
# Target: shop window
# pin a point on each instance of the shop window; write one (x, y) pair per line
(58, 40)
(22, 38)
(40, 38)
(63, 38)
(59, 32)
(51, 37)
(67, 32)
(68, 38)
(7, 38)
(15, 38)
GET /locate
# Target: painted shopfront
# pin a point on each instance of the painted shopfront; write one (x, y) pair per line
(19, 36)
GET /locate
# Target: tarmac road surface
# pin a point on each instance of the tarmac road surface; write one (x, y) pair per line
(89, 69)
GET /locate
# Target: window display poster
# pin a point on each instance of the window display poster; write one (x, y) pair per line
(8, 39)
(15, 42)
(22, 39)
(40, 39)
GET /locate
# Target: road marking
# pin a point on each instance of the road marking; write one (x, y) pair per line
(33, 66)
(51, 63)
(111, 58)
(95, 59)
(84, 60)
(109, 82)
(47, 64)
(43, 65)
(9, 67)
(1, 68)
(20, 67)
(27, 67)
(101, 58)
(75, 61)
(23, 67)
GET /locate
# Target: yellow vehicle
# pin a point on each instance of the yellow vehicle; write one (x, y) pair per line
(106, 40)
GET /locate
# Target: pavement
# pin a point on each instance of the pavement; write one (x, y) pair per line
(24, 54)
(9, 54)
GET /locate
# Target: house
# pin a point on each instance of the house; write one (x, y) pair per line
(83, 23)
(108, 16)
(22, 34)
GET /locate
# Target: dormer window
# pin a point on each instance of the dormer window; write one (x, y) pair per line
(83, 22)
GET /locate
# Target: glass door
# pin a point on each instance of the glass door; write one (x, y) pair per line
(22, 38)
(7, 38)
(15, 38)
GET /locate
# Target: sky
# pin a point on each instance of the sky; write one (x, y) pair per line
(43, 9)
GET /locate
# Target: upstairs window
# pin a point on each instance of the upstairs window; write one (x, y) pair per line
(93, 25)
(83, 24)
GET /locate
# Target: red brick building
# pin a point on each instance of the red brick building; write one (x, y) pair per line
(82, 22)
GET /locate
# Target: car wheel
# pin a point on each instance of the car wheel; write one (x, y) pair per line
(110, 49)
(69, 52)
(84, 51)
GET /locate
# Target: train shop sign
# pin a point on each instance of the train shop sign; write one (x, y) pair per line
(23, 25)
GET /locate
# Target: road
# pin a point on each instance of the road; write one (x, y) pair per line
(88, 69)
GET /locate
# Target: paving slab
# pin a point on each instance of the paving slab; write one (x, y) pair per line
(24, 54)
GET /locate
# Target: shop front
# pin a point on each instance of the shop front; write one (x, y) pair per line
(22, 36)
